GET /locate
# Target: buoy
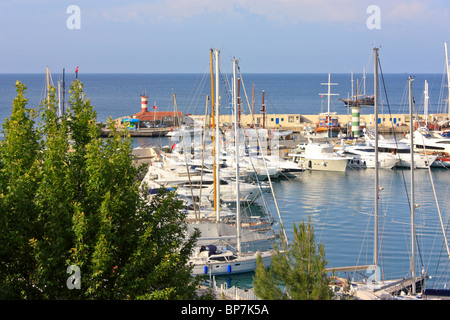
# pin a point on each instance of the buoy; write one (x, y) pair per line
(229, 268)
(205, 269)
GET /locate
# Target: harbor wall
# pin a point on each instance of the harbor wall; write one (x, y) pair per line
(292, 122)
(299, 122)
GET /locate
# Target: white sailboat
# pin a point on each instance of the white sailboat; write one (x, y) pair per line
(374, 288)
(220, 260)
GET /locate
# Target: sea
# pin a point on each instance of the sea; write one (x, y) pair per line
(340, 205)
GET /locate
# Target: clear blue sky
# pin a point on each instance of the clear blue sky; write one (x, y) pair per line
(172, 36)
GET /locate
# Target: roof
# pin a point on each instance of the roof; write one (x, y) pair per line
(156, 115)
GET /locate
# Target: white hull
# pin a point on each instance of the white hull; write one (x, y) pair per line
(367, 154)
(319, 156)
(325, 164)
(242, 264)
(421, 161)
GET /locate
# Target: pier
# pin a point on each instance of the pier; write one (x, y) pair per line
(144, 132)
(297, 123)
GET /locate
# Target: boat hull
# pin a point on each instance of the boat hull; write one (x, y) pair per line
(339, 165)
(243, 264)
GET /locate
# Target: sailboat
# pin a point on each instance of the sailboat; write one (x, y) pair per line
(219, 259)
(374, 288)
(359, 100)
(328, 125)
(387, 289)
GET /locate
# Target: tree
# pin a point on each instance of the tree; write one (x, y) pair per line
(297, 272)
(79, 205)
(19, 160)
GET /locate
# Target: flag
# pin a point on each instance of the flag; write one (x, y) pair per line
(76, 70)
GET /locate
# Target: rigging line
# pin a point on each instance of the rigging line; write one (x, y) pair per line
(395, 137)
(196, 89)
(396, 142)
(197, 216)
(268, 176)
(203, 153)
(437, 204)
(197, 94)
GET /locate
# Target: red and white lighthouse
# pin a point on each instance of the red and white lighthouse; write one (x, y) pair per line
(144, 103)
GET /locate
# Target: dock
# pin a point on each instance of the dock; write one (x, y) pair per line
(297, 123)
(144, 132)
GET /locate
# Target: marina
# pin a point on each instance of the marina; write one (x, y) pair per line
(289, 183)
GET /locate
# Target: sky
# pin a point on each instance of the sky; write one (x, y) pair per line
(267, 36)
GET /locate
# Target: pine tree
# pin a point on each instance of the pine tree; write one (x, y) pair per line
(297, 271)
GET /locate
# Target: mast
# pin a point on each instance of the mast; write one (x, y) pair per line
(48, 88)
(236, 141)
(63, 91)
(375, 244)
(263, 110)
(425, 102)
(413, 243)
(217, 139)
(59, 98)
(448, 78)
(352, 86)
(329, 94)
(213, 129)
(253, 101)
(364, 82)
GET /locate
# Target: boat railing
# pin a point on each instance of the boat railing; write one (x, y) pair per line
(222, 291)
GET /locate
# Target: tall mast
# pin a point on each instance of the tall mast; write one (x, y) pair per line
(375, 245)
(59, 99)
(217, 138)
(63, 91)
(425, 102)
(329, 94)
(213, 128)
(48, 88)
(263, 110)
(448, 78)
(364, 81)
(413, 243)
(237, 142)
(352, 87)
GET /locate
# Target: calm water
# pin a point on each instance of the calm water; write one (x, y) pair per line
(341, 206)
(117, 95)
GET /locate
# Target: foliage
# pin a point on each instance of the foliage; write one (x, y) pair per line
(297, 272)
(71, 198)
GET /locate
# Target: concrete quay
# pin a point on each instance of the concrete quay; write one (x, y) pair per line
(388, 123)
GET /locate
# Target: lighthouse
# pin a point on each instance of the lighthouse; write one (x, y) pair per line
(144, 103)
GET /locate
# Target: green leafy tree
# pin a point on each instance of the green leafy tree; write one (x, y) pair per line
(78, 203)
(19, 161)
(297, 271)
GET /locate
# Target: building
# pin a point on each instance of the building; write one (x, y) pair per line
(152, 118)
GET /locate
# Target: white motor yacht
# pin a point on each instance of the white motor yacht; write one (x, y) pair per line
(319, 155)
